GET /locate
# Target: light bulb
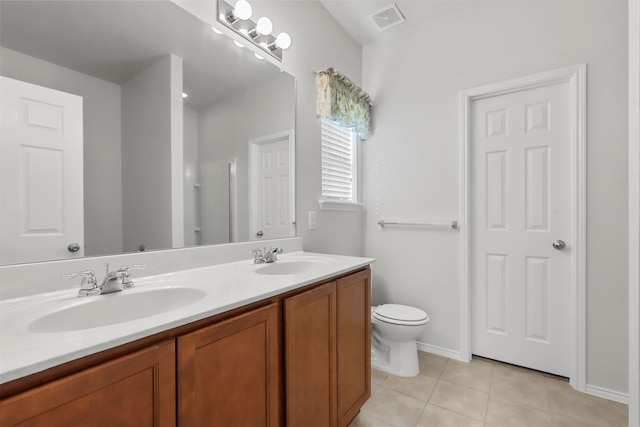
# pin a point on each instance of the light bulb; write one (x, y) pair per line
(237, 43)
(185, 95)
(264, 26)
(215, 30)
(283, 41)
(242, 10)
(258, 56)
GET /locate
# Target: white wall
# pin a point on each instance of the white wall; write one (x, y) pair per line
(102, 143)
(412, 162)
(634, 213)
(147, 156)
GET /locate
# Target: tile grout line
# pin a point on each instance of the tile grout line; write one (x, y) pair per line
(486, 409)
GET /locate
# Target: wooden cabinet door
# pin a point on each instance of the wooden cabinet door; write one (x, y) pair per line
(354, 344)
(133, 390)
(229, 373)
(310, 357)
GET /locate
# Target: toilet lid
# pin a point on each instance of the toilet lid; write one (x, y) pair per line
(400, 314)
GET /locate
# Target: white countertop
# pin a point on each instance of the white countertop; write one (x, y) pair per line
(225, 287)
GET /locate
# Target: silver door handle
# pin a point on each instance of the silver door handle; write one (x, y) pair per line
(73, 247)
(559, 245)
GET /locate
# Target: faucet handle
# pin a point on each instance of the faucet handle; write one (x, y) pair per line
(126, 276)
(272, 255)
(89, 284)
(258, 255)
(125, 268)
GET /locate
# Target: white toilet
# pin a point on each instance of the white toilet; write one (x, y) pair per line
(394, 330)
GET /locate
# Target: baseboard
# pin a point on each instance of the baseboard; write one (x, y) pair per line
(440, 351)
(605, 393)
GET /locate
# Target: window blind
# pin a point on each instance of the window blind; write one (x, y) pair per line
(337, 162)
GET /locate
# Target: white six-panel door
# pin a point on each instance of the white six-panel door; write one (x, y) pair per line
(271, 193)
(41, 190)
(519, 155)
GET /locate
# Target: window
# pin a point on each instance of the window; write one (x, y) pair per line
(339, 165)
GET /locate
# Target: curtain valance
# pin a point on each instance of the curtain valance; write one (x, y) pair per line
(341, 100)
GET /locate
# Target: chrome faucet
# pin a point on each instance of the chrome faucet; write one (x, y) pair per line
(114, 281)
(263, 255)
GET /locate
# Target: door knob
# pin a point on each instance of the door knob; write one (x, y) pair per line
(73, 247)
(259, 233)
(559, 245)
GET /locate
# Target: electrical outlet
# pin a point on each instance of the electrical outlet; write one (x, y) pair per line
(312, 220)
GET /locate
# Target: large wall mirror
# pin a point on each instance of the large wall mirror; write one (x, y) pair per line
(131, 125)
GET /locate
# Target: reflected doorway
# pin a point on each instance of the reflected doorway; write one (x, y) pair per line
(272, 191)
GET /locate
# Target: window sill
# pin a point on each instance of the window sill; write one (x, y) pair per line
(336, 205)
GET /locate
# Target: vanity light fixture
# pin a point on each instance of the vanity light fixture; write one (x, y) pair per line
(237, 17)
(283, 41)
(263, 27)
(241, 11)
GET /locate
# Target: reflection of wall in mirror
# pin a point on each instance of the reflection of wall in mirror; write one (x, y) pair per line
(191, 182)
(215, 209)
(148, 121)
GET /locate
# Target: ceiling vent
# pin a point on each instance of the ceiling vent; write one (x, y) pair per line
(388, 17)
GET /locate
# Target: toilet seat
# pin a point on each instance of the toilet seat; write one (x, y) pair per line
(400, 315)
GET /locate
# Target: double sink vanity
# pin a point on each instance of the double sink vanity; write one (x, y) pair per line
(238, 343)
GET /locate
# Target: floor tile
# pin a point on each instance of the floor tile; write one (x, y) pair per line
(502, 413)
(378, 377)
(394, 408)
(435, 416)
(364, 419)
(374, 387)
(431, 364)
(519, 386)
(590, 410)
(420, 386)
(452, 393)
(476, 374)
(620, 412)
(461, 400)
(562, 421)
(515, 373)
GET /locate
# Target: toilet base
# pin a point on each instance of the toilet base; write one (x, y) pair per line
(395, 358)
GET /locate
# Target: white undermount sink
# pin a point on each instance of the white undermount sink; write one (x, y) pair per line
(114, 308)
(294, 266)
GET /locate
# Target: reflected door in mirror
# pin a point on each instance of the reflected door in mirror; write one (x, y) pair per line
(41, 173)
(272, 187)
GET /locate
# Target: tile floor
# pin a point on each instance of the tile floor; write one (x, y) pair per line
(481, 393)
